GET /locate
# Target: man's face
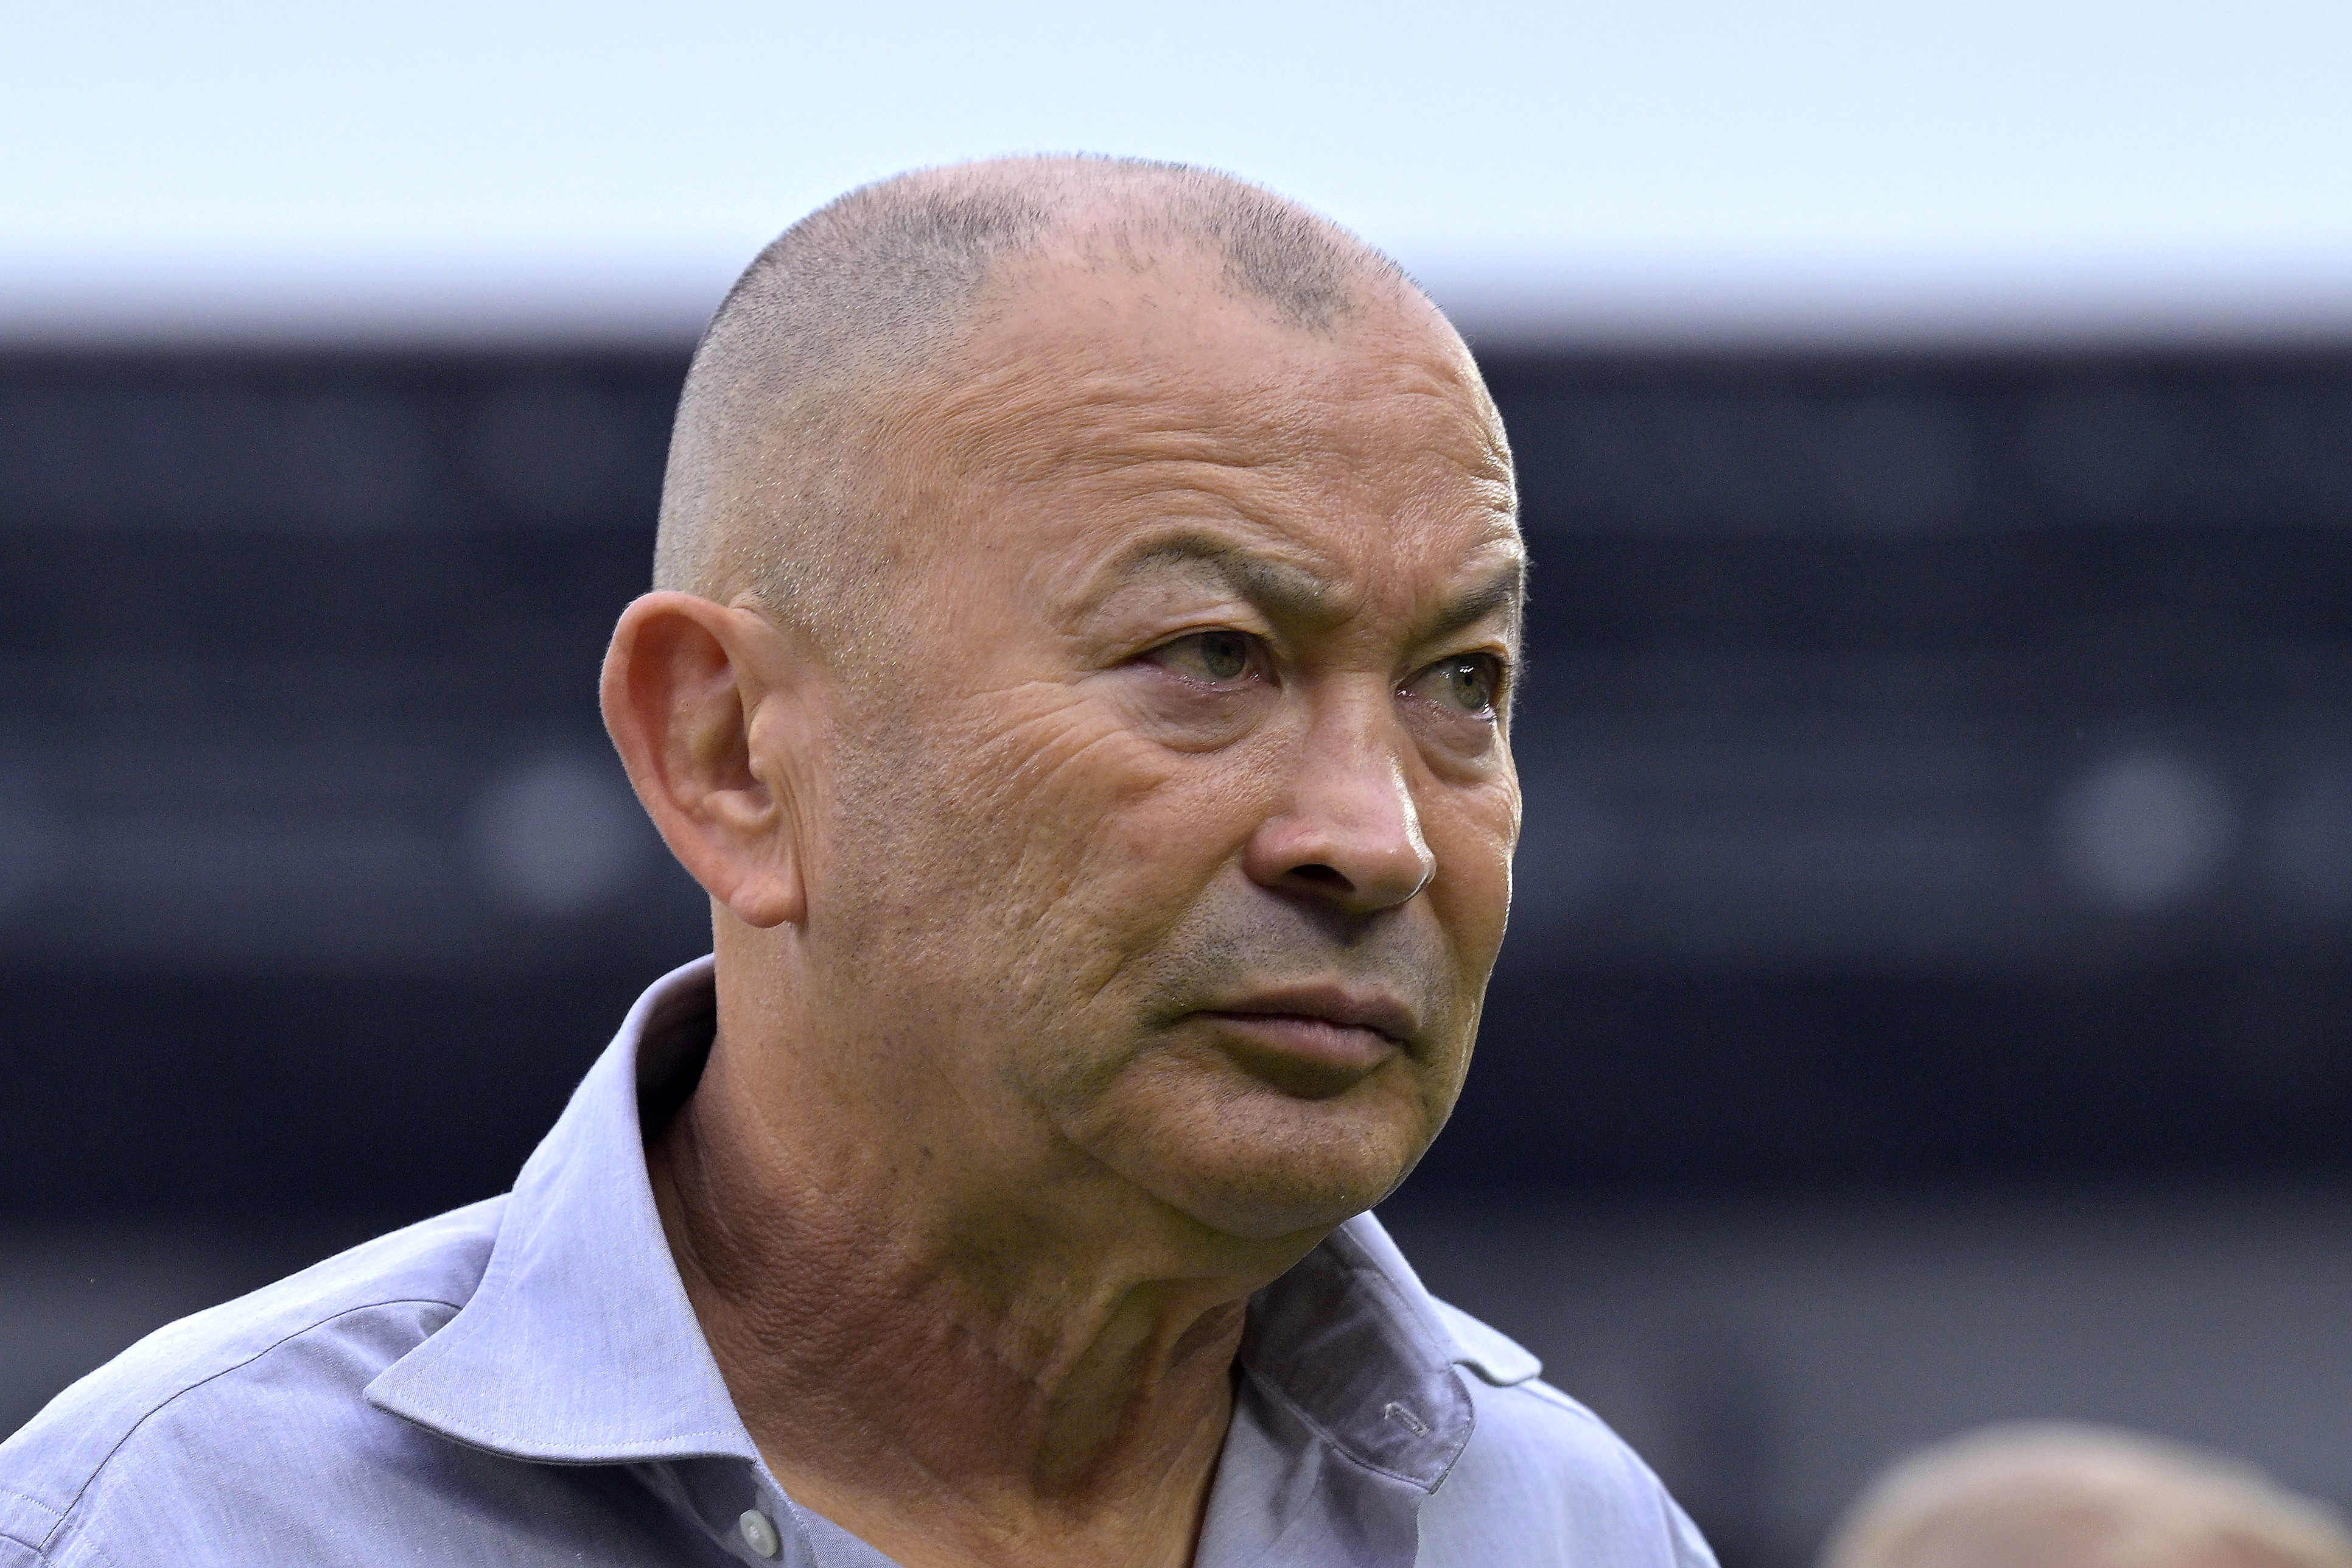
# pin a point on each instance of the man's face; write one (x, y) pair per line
(1174, 822)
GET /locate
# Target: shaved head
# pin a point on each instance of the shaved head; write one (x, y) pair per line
(802, 413)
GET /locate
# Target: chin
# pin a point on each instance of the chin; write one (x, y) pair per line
(1267, 1176)
(1249, 1161)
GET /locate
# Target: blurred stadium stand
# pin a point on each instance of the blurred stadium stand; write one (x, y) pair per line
(1936, 775)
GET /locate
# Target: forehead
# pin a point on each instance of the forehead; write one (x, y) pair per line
(1086, 408)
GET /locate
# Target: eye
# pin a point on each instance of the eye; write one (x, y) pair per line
(1214, 658)
(1468, 683)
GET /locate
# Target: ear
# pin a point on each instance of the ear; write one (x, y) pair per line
(686, 682)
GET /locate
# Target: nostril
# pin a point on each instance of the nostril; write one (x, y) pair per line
(1321, 876)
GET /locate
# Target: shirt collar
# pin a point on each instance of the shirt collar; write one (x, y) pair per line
(579, 1344)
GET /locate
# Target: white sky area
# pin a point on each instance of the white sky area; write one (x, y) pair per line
(1638, 171)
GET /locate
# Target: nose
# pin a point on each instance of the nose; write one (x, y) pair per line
(1350, 834)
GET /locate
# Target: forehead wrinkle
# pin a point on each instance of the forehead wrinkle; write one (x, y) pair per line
(1104, 425)
(1193, 459)
(1019, 413)
(1268, 466)
(1461, 406)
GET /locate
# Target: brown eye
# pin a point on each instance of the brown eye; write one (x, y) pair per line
(1467, 685)
(1215, 657)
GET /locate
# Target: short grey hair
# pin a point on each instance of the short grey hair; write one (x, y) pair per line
(771, 467)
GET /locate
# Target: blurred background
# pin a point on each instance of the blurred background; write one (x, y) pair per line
(1928, 993)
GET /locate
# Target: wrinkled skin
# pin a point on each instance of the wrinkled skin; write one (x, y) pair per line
(1184, 733)
(1056, 849)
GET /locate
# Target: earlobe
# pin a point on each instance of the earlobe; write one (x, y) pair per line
(682, 687)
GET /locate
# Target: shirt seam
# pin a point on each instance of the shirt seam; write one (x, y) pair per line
(100, 1552)
(161, 1406)
(27, 1497)
(438, 1423)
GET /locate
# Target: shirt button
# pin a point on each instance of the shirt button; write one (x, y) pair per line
(757, 1533)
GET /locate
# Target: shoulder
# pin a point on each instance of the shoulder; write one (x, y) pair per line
(270, 1381)
(1543, 1480)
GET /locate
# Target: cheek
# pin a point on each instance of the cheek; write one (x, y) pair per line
(1133, 842)
(1036, 840)
(1471, 842)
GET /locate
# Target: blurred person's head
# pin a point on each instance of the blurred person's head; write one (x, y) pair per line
(2061, 1495)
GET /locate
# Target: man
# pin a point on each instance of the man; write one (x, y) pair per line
(1088, 597)
(2057, 1495)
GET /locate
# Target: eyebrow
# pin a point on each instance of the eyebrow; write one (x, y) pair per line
(1292, 593)
(1504, 591)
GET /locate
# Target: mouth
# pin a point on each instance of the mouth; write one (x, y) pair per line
(1314, 1042)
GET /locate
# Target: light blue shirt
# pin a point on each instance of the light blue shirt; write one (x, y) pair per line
(522, 1382)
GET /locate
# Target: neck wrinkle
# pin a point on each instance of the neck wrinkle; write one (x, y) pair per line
(918, 1394)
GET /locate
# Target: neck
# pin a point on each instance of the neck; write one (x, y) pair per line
(960, 1371)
